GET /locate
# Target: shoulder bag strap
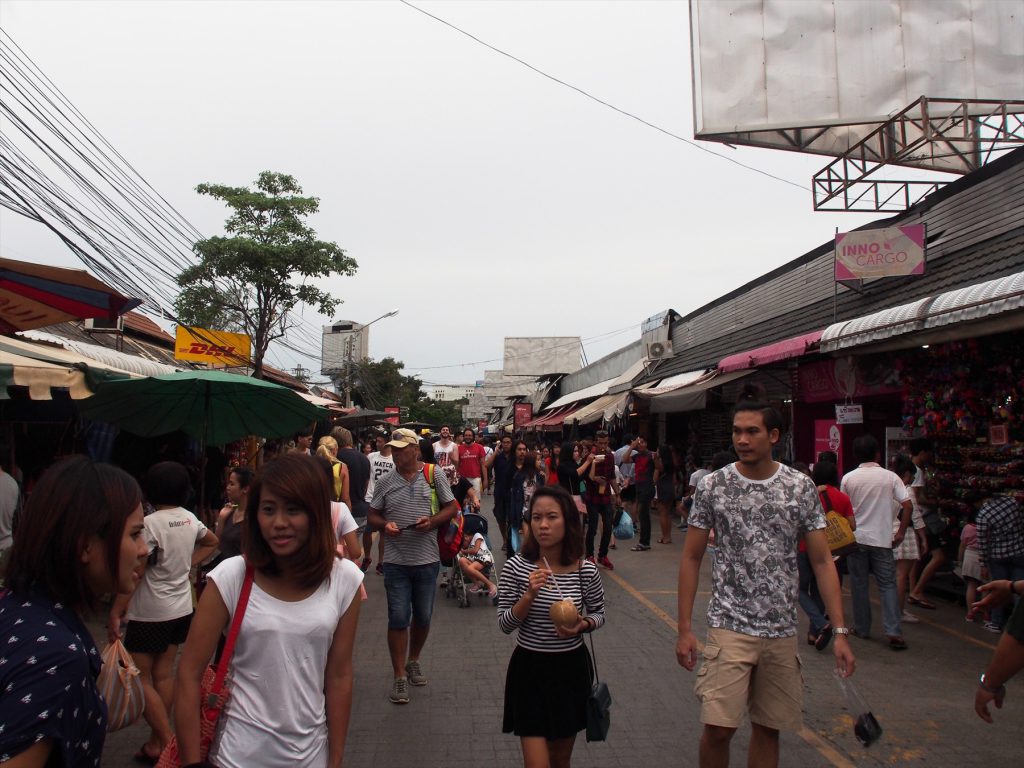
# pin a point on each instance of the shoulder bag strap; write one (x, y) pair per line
(590, 635)
(236, 624)
(826, 502)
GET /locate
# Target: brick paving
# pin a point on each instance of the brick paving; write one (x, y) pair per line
(923, 697)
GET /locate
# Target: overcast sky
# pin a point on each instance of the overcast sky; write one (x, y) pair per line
(479, 198)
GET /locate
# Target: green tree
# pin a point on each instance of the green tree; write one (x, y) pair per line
(376, 384)
(438, 412)
(251, 280)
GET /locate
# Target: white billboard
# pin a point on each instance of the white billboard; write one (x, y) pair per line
(541, 355)
(818, 76)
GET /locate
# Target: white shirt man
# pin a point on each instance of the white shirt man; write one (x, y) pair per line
(878, 495)
(10, 495)
(446, 455)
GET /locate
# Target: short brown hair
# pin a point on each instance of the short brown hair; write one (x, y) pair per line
(74, 499)
(572, 542)
(299, 480)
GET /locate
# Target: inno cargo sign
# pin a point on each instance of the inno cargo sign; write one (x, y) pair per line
(887, 252)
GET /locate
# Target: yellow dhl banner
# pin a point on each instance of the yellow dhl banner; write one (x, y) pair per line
(202, 345)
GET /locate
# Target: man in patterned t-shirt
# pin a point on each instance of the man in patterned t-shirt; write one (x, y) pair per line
(758, 509)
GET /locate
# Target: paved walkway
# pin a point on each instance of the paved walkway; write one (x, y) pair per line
(923, 698)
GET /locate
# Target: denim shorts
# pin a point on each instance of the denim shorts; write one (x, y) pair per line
(410, 590)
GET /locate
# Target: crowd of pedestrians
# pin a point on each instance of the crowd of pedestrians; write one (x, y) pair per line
(288, 551)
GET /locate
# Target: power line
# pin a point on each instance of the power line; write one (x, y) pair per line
(604, 103)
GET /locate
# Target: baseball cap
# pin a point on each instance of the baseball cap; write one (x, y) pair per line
(401, 438)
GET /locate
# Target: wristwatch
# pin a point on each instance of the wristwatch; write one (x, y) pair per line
(988, 688)
(841, 631)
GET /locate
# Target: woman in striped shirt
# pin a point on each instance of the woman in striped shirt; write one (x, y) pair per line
(550, 673)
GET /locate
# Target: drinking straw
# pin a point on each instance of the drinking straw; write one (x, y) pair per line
(560, 593)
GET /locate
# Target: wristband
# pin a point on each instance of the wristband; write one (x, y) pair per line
(988, 688)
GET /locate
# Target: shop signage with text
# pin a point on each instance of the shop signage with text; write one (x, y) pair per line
(886, 252)
(850, 414)
(522, 413)
(201, 345)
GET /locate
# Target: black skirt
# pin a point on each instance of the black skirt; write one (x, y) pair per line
(546, 693)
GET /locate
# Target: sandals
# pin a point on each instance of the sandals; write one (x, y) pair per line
(824, 638)
(920, 602)
(664, 541)
(142, 756)
(897, 644)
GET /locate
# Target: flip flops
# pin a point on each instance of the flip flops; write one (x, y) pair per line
(920, 602)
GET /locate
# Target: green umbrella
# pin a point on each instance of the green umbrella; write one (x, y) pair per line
(214, 406)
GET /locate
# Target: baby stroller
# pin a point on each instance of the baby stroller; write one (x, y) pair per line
(458, 586)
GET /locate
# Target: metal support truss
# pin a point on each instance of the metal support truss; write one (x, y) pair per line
(937, 135)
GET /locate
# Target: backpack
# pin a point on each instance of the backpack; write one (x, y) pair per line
(449, 538)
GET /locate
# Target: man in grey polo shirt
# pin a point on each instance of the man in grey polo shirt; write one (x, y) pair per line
(401, 509)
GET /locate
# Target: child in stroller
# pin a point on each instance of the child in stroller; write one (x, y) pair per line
(475, 562)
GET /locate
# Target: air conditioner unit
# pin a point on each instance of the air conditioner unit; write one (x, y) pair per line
(105, 325)
(659, 350)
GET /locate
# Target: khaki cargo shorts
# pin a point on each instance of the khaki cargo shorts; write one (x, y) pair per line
(760, 675)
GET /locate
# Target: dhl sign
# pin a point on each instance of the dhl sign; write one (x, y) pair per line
(200, 345)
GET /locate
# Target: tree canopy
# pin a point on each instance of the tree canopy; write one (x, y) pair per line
(377, 384)
(250, 280)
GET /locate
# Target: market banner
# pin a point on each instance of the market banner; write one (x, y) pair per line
(201, 345)
(886, 252)
(522, 414)
(395, 409)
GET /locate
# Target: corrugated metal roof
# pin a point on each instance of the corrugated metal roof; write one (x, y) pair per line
(582, 394)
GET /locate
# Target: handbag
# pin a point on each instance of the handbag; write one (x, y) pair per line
(841, 540)
(121, 687)
(599, 701)
(213, 693)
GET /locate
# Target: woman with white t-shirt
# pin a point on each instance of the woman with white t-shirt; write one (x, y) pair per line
(291, 690)
(160, 610)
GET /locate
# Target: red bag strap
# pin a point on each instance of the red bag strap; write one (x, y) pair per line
(236, 624)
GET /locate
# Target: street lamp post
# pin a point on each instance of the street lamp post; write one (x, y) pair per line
(350, 343)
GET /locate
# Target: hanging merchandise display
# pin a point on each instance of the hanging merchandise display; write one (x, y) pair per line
(961, 395)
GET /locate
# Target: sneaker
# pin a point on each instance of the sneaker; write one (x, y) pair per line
(379, 569)
(909, 618)
(591, 559)
(415, 673)
(640, 548)
(604, 561)
(399, 691)
(365, 564)
(476, 589)
(991, 626)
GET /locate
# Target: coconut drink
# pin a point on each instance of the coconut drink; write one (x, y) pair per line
(564, 613)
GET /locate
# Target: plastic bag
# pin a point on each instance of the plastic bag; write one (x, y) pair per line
(865, 726)
(121, 687)
(624, 528)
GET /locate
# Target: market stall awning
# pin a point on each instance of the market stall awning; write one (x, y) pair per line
(603, 409)
(37, 295)
(140, 366)
(991, 307)
(624, 382)
(95, 370)
(40, 377)
(689, 397)
(544, 418)
(587, 393)
(672, 383)
(786, 349)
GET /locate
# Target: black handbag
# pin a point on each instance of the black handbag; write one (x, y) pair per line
(599, 702)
